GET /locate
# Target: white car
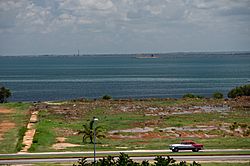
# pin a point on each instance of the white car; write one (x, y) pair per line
(186, 145)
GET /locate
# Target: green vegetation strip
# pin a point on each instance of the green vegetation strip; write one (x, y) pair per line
(19, 118)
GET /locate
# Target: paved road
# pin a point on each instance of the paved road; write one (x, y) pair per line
(178, 158)
(117, 152)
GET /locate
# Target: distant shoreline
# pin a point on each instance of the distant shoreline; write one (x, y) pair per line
(143, 55)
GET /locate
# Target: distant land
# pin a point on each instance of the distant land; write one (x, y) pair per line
(142, 55)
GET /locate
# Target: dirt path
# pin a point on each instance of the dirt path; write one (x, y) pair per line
(29, 135)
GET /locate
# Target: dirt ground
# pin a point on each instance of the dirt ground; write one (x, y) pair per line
(5, 110)
(5, 125)
(61, 144)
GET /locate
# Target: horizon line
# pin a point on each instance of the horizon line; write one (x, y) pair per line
(119, 54)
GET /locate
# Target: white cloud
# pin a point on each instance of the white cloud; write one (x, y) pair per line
(6, 5)
(86, 4)
(117, 22)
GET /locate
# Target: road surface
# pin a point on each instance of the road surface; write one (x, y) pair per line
(17, 158)
(121, 151)
(233, 158)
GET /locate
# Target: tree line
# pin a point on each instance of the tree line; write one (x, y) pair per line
(243, 90)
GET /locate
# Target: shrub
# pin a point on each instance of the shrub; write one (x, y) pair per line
(217, 95)
(106, 97)
(124, 160)
(4, 94)
(199, 97)
(190, 95)
(243, 90)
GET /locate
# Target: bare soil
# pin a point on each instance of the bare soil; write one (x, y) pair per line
(5, 126)
(61, 144)
(5, 110)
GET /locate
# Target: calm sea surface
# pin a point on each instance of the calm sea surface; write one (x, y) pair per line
(170, 75)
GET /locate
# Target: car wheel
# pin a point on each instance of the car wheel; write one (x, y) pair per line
(175, 150)
(195, 150)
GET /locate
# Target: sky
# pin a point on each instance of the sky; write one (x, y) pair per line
(35, 27)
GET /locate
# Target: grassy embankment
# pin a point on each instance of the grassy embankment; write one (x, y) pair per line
(13, 124)
(65, 119)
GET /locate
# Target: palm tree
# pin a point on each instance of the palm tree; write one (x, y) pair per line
(4, 94)
(88, 132)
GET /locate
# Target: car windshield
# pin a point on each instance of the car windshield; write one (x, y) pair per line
(187, 142)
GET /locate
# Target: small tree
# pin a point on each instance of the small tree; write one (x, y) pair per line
(88, 132)
(4, 94)
(239, 91)
(217, 95)
(124, 160)
(160, 161)
(106, 97)
(190, 95)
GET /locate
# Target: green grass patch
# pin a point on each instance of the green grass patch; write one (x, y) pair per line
(19, 116)
(226, 164)
(21, 134)
(44, 137)
(54, 124)
(127, 120)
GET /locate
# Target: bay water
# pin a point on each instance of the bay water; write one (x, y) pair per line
(46, 78)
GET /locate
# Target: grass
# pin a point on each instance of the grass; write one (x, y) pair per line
(107, 144)
(226, 143)
(44, 137)
(12, 138)
(50, 124)
(226, 164)
(21, 134)
(175, 102)
(55, 124)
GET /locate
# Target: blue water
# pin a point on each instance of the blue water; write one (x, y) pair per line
(171, 75)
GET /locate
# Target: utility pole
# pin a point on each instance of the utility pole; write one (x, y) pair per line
(94, 119)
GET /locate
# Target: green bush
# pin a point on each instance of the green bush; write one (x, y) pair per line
(124, 160)
(243, 90)
(190, 95)
(106, 97)
(217, 95)
(4, 94)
